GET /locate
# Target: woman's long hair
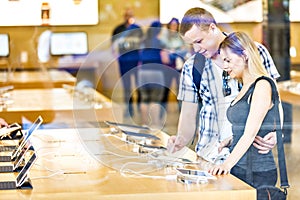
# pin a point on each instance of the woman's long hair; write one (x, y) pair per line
(238, 43)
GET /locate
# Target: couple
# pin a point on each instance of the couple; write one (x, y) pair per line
(235, 116)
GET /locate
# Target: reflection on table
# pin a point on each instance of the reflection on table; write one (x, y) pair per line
(85, 105)
(36, 79)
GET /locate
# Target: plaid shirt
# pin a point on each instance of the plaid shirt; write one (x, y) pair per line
(213, 122)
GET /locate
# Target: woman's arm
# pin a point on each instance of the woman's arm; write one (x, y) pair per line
(260, 104)
(268, 142)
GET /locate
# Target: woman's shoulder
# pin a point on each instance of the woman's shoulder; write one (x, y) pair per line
(263, 85)
(264, 80)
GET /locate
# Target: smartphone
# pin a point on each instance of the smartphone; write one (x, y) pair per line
(193, 176)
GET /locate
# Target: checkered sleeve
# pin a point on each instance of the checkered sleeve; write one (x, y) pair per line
(268, 61)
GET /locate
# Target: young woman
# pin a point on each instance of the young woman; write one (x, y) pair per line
(251, 113)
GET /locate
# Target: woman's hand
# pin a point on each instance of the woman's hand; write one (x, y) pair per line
(219, 169)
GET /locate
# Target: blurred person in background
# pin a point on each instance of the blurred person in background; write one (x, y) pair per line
(177, 49)
(151, 74)
(126, 39)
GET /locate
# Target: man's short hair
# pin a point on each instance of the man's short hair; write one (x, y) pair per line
(196, 16)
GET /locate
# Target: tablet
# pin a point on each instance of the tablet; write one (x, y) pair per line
(142, 135)
(193, 176)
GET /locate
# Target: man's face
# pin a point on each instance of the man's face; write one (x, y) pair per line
(203, 41)
(129, 17)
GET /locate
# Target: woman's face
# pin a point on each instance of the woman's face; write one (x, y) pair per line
(234, 64)
(173, 26)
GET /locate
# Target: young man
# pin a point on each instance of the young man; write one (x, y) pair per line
(217, 90)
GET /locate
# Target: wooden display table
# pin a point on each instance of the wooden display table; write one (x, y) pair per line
(86, 105)
(37, 79)
(66, 169)
(290, 92)
(295, 75)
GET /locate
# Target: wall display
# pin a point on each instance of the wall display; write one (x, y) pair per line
(228, 11)
(68, 43)
(48, 12)
(4, 45)
(293, 8)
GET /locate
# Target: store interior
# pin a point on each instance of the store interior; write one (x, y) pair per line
(92, 63)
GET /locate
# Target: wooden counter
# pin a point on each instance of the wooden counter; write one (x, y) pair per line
(295, 75)
(290, 91)
(86, 105)
(66, 169)
(37, 79)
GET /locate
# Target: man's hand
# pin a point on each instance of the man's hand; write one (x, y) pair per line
(225, 143)
(265, 144)
(176, 143)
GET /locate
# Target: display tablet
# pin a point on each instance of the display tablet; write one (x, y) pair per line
(4, 45)
(68, 43)
(193, 176)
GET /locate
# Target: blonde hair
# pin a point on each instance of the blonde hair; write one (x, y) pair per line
(238, 43)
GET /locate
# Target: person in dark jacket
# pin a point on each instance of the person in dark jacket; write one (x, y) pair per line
(126, 39)
(151, 78)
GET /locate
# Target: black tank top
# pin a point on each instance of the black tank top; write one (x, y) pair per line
(238, 113)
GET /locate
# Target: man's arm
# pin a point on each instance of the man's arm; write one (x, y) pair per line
(186, 127)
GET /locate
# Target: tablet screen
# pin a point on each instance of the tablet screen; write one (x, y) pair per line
(4, 45)
(68, 43)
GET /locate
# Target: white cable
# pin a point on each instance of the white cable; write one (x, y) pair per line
(120, 138)
(137, 174)
(134, 174)
(41, 155)
(49, 176)
(46, 168)
(45, 147)
(42, 138)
